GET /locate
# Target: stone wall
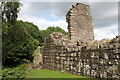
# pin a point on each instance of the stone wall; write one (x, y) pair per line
(80, 24)
(99, 61)
(86, 57)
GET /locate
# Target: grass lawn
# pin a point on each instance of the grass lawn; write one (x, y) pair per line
(52, 74)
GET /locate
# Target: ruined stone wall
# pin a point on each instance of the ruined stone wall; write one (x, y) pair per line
(80, 24)
(99, 59)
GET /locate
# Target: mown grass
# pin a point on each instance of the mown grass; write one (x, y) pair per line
(53, 74)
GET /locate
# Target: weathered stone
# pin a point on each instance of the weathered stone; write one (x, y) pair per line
(105, 56)
(79, 53)
(82, 24)
(37, 62)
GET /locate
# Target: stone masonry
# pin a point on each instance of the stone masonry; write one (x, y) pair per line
(79, 53)
(79, 24)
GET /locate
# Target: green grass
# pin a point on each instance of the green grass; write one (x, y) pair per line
(52, 74)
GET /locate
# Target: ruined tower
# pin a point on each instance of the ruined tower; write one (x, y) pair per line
(80, 24)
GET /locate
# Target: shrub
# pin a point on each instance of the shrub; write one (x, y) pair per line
(15, 72)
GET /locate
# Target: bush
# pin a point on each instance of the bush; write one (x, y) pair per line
(15, 72)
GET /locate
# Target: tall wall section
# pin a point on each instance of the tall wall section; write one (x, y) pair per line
(80, 24)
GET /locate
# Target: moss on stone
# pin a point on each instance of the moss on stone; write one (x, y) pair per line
(119, 68)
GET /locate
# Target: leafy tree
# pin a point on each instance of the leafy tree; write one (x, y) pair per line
(9, 17)
(18, 37)
(19, 43)
(10, 11)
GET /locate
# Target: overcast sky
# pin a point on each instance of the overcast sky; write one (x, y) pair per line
(45, 14)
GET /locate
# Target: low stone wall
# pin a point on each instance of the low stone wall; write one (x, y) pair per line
(99, 61)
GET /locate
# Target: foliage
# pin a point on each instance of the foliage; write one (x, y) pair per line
(48, 31)
(19, 42)
(15, 72)
(10, 11)
(21, 39)
(12, 34)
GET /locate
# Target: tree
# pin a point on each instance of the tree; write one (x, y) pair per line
(20, 43)
(9, 16)
(10, 11)
(19, 38)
